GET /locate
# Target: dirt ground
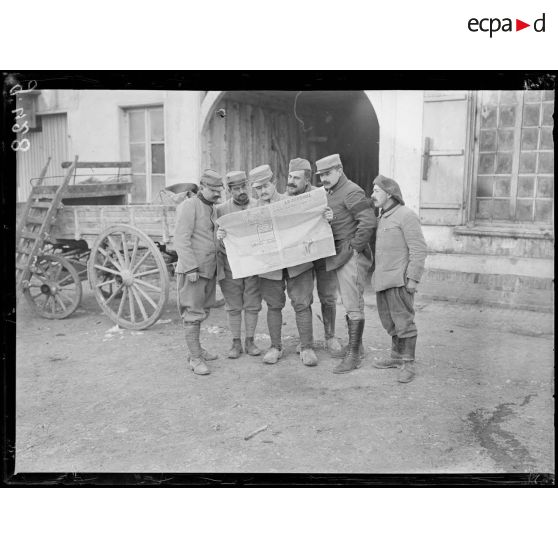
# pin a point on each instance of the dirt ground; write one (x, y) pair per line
(91, 400)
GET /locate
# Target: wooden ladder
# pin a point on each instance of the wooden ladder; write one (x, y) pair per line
(38, 217)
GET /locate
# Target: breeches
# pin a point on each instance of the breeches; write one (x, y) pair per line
(397, 314)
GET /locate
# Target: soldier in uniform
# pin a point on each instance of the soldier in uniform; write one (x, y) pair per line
(299, 182)
(400, 257)
(352, 225)
(240, 294)
(297, 280)
(196, 246)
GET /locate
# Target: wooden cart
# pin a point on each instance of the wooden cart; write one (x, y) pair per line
(120, 249)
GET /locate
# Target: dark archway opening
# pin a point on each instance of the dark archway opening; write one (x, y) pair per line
(250, 128)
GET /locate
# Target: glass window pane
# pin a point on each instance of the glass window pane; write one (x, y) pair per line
(486, 164)
(504, 163)
(545, 187)
(505, 140)
(546, 138)
(488, 116)
(138, 189)
(531, 115)
(137, 156)
(508, 97)
(548, 110)
(157, 184)
(524, 210)
(532, 96)
(483, 209)
(548, 95)
(501, 209)
(529, 138)
(543, 211)
(502, 187)
(527, 162)
(507, 116)
(487, 140)
(526, 187)
(490, 97)
(157, 127)
(137, 125)
(158, 158)
(484, 186)
(546, 162)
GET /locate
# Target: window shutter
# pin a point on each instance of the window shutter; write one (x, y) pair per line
(444, 157)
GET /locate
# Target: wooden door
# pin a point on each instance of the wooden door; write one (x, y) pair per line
(445, 159)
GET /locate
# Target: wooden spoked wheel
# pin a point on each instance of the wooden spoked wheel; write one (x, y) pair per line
(128, 276)
(53, 289)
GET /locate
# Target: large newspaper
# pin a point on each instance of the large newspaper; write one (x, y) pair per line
(282, 234)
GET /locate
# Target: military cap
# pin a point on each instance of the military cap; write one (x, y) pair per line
(389, 186)
(323, 165)
(235, 178)
(299, 164)
(260, 175)
(211, 178)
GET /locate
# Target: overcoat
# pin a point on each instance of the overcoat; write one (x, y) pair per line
(353, 222)
(400, 248)
(194, 237)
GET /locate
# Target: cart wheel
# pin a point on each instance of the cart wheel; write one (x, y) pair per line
(128, 276)
(54, 287)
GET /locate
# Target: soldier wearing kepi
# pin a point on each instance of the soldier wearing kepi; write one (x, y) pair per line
(400, 257)
(298, 281)
(299, 182)
(352, 225)
(196, 246)
(240, 294)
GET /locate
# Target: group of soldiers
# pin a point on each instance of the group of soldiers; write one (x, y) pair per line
(400, 254)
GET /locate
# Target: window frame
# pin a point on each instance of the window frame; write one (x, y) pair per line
(148, 143)
(487, 224)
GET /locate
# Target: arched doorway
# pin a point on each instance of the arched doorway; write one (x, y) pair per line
(244, 129)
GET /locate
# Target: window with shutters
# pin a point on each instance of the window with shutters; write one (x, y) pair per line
(146, 133)
(513, 180)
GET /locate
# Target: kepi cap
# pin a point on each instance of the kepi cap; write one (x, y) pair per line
(323, 165)
(389, 186)
(299, 164)
(235, 178)
(211, 178)
(260, 175)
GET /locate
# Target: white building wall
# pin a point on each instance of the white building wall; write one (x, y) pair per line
(400, 118)
(95, 125)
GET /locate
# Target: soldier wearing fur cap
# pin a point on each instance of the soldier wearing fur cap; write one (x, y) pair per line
(352, 226)
(196, 246)
(299, 182)
(241, 295)
(400, 257)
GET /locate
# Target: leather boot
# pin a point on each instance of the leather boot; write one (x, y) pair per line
(251, 348)
(407, 371)
(332, 344)
(352, 359)
(345, 348)
(394, 360)
(236, 350)
(195, 359)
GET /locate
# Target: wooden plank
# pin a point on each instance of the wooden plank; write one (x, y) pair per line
(99, 165)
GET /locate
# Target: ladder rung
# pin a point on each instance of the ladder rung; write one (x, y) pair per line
(24, 251)
(45, 196)
(33, 220)
(40, 205)
(30, 235)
